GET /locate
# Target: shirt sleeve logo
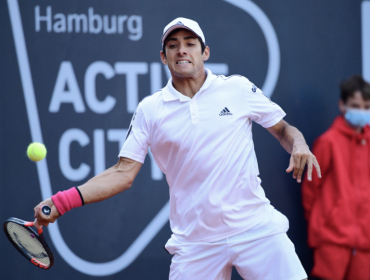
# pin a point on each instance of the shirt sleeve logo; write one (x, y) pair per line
(254, 88)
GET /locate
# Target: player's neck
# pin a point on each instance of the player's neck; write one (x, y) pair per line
(189, 86)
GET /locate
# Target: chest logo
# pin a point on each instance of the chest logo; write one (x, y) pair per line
(225, 112)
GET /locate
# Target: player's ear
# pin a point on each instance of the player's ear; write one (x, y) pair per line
(206, 53)
(163, 58)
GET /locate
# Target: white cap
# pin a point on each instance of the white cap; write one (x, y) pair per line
(183, 23)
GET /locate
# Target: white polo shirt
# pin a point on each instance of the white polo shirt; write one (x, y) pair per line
(204, 147)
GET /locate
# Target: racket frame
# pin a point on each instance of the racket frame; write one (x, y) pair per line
(39, 235)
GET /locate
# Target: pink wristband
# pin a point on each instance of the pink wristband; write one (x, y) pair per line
(67, 200)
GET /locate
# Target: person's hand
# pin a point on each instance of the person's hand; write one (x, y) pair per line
(43, 219)
(301, 156)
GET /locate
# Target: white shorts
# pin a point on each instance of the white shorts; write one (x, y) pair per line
(261, 253)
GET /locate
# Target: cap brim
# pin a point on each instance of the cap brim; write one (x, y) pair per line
(177, 26)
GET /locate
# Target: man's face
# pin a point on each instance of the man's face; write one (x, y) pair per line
(354, 102)
(184, 54)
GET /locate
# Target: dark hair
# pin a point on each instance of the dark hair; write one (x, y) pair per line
(203, 46)
(350, 86)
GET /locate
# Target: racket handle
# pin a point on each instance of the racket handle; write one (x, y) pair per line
(46, 211)
(36, 224)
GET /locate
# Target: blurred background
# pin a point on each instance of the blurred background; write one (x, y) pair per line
(73, 72)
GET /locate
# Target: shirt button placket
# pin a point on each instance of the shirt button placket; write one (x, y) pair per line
(194, 111)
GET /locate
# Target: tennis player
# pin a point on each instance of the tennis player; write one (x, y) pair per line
(199, 130)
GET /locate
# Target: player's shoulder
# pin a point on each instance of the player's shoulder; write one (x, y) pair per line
(236, 81)
(149, 104)
(232, 79)
(151, 100)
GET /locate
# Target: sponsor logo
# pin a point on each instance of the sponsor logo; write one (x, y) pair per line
(90, 22)
(67, 91)
(254, 88)
(225, 112)
(46, 210)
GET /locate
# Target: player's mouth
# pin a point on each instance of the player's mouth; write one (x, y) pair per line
(183, 62)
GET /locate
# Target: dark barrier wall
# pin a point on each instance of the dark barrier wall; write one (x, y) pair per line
(72, 74)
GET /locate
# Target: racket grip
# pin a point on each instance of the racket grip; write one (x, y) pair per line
(46, 211)
(36, 224)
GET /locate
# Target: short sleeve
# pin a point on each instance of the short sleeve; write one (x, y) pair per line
(137, 139)
(262, 110)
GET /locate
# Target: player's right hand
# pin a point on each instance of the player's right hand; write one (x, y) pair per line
(43, 219)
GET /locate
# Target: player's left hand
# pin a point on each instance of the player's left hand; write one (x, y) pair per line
(301, 155)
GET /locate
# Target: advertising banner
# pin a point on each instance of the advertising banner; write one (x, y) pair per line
(73, 72)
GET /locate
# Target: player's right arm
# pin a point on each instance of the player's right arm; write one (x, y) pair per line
(112, 181)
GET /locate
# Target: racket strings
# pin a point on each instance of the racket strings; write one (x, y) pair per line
(28, 242)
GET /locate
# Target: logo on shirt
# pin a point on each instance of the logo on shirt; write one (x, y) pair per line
(254, 88)
(225, 112)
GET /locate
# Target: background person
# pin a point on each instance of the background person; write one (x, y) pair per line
(337, 207)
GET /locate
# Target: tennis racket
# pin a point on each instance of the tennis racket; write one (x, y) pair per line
(30, 244)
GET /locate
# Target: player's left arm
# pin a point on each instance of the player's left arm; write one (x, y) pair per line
(294, 143)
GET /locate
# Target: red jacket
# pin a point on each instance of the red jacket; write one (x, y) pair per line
(337, 206)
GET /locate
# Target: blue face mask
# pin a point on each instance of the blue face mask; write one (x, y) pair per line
(357, 117)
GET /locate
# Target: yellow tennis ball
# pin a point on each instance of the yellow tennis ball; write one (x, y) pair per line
(36, 151)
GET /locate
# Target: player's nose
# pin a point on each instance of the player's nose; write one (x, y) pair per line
(182, 51)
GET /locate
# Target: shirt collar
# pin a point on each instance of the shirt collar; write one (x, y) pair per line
(170, 93)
